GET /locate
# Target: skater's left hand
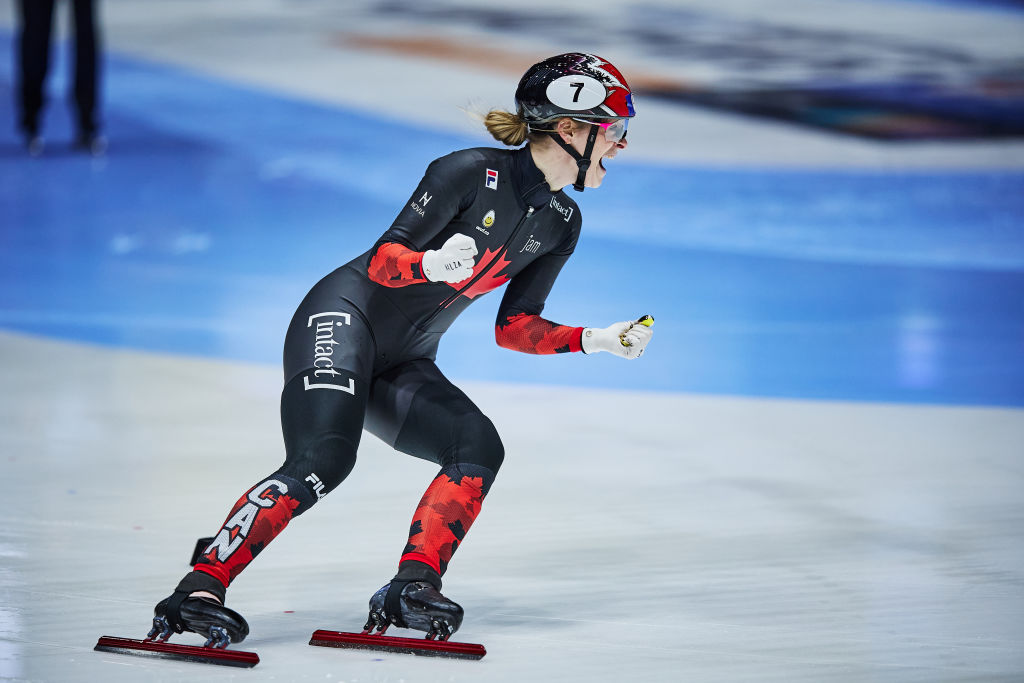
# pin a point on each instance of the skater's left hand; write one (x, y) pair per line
(627, 339)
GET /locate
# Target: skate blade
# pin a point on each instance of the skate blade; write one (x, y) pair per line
(188, 653)
(414, 646)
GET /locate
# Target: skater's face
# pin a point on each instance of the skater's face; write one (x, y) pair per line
(609, 141)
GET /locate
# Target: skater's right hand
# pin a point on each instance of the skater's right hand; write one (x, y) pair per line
(453, 262)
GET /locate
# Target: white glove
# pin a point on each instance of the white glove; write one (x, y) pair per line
(627, 339)
(453, 262)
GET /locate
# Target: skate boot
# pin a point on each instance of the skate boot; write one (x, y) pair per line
(205, 616)
(413, 604)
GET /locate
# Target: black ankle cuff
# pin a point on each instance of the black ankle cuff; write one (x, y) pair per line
(411, 570)
(201, 581)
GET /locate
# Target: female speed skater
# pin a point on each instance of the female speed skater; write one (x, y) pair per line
(359, 352)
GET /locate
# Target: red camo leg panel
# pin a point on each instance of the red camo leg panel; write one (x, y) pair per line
(444, 515)
(258, 516)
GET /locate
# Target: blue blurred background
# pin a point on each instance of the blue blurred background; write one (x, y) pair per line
(876, 254)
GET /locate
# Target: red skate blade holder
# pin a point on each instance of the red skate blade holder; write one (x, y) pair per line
(188, 653)
(414, 646)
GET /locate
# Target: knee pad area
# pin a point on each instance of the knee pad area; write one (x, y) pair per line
(320, 465)
(476, 442)
(456, 472)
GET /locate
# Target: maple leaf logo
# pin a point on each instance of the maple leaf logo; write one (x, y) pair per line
(491, 280)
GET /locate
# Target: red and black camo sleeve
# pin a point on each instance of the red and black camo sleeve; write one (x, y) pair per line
(395, 265)
(534, 334)
(445, 189)
(519, 326)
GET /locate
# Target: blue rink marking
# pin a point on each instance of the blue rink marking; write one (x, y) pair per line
(219, 206)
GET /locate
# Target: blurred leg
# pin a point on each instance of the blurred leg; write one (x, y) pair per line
(86, 67)
(34, 54)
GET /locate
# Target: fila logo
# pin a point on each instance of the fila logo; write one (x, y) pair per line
(318, 486)
(492, 179)
(237, 528)
(425, 199)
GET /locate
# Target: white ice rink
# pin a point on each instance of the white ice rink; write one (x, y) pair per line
(673, 537)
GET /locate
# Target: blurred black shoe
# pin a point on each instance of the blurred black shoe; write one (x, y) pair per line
(34, 144)
(93, 144)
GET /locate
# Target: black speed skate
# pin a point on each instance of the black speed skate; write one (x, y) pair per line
(414, 604)
(179, 613)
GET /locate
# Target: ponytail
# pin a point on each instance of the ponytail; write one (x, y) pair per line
(506, 128)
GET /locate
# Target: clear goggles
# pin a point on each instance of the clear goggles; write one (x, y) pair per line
(614, 130)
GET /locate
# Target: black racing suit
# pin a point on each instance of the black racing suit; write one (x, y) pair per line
(360, 352)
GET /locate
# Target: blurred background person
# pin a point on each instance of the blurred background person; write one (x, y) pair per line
(36, 18)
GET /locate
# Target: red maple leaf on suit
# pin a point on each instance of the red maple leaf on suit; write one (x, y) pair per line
(492, 279)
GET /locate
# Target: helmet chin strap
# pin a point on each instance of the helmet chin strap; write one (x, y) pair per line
(582, 160)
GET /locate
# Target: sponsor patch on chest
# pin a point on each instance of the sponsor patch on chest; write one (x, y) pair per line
(531, 245)
(488, 221)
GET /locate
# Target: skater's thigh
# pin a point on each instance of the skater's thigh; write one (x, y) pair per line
(328, 365)
(417, 410)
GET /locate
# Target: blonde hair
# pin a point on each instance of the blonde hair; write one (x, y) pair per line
(509, 129)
